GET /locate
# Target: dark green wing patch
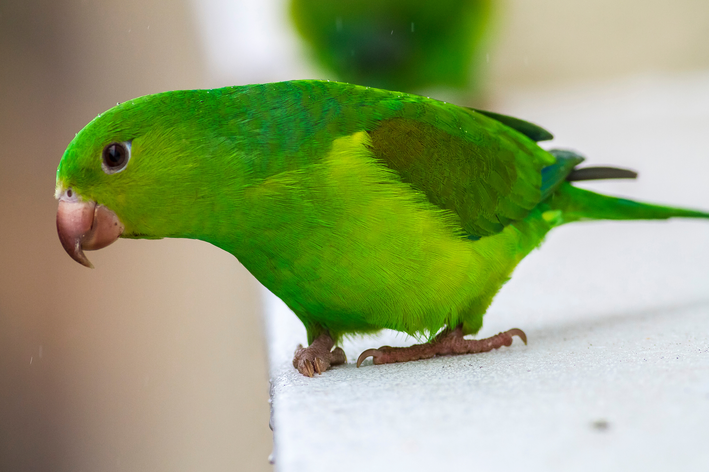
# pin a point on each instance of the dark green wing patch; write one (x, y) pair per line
(532, 131)
(488, 177)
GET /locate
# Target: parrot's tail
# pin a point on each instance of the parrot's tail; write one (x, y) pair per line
(578, 204)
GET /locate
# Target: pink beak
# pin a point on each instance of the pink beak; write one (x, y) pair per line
(85, 226)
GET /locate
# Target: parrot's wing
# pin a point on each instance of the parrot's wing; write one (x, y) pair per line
(487, 174)
(532, 131)
(553, 175)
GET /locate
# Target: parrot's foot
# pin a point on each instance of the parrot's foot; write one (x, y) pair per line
(448, 343)
(318, 357)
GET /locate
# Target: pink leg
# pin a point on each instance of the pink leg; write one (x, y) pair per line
(448, 343)
(318, 357)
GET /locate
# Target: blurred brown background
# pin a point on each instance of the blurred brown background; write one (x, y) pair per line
(155, 360)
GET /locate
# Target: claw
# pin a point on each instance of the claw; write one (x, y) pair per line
(374, 353)
(304, 366)
(518, 332)
(308, 368)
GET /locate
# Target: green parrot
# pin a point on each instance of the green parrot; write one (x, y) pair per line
(396, 44)
(360, 208)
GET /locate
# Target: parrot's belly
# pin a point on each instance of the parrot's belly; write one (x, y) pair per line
(402, 279)
(346, 286)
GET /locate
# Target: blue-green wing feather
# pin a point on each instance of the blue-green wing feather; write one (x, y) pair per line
(555, 174)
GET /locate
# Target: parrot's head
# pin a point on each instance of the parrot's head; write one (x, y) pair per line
(143, 169)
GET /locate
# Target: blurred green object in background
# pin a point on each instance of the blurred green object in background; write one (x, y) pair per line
(404, 45)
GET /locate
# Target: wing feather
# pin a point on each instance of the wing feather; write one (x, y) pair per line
(487, 173)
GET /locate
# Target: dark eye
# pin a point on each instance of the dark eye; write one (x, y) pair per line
(115, 157)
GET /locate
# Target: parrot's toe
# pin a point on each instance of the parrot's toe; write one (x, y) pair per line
(305, 366)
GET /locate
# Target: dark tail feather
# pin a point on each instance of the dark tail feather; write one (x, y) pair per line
(564, 169)
(598, 173)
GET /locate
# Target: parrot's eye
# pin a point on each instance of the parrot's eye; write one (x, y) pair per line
(115, 157)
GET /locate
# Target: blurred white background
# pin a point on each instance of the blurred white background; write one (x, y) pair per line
(155, 360)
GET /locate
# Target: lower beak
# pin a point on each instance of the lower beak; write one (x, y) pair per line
(86, 226)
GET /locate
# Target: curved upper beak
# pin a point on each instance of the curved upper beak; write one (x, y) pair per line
(85, 226)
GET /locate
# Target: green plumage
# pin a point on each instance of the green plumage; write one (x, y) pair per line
(396, 44)
(361, 208)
